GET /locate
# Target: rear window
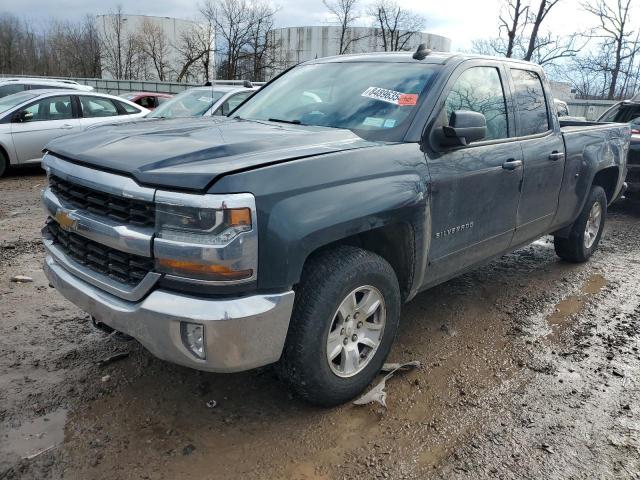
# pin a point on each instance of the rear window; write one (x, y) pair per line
(129, 109)
(533, 112)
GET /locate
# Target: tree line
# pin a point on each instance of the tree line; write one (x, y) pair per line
(237, 36)
(234, 35)
(602, 61)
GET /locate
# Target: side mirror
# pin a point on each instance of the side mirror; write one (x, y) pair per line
(22, 116)
(464, 128)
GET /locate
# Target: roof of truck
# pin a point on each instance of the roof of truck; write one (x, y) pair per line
(434, 58)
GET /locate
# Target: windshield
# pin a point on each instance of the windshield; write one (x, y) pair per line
(10, 101)
(623, 113)
(372, 99)
(191, 103)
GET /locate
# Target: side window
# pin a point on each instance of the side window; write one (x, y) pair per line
(97, 107)
(533, 113)
(161, 100)
(231, 103)
(479, 89)
(11, 89)
(128, 109)
(52, 108)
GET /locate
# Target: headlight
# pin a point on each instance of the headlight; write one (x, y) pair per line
(210, 238)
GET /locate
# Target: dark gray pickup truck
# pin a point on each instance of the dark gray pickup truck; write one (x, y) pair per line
(293, 231)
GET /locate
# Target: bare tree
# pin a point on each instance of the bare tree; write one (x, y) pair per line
(344, 13)
(544, 7)
(615, 32)
(112, 41)
(232, 21)
(397, 25)
(259, 48)
(73, 48)
(513, 19)
(155, 45)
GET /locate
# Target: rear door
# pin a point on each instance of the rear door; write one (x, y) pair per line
(44, 120)
(475, 189)
(543, 155)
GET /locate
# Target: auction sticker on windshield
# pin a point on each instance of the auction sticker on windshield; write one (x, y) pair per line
(391, 96)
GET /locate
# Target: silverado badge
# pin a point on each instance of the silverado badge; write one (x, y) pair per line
(452, 230)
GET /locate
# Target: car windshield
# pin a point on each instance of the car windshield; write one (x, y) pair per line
(10, 101)
(623, 113)
(372, 99)
(191, 103)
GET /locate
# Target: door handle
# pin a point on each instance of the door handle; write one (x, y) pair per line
(66, 126)
(556, 156)
(512, 164)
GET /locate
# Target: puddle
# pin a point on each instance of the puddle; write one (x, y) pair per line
(561, 318)
(34, 437)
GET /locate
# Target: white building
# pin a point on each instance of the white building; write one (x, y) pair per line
(298, 44)
(132, 25)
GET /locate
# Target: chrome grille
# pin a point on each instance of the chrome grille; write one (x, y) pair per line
(124, 210)
(123, 267)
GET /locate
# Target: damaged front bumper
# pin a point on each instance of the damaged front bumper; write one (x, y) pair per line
(240, 333)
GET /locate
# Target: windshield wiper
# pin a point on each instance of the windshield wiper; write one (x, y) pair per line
(294, 122)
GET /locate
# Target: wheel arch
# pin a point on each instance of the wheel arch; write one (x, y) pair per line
(393, 242)
(607, 178)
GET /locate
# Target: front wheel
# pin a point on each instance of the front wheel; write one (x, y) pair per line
(344, 322)
(586, 231)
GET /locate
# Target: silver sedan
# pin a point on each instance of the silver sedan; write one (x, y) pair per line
(204, 101)
(30, 119)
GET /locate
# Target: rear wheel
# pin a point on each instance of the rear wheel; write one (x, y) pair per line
(343, 325)
(587, 230)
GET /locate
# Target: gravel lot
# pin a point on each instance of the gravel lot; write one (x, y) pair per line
(531, 369)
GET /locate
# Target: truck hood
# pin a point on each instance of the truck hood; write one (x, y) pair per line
(190, 154)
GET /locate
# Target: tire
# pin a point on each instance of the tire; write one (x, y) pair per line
(4, 164)
(580, 244)
(329, 279)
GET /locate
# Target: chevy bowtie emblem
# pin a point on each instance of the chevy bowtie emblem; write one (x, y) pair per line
(65, 221)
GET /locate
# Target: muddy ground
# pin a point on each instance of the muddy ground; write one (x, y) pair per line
(531, 369)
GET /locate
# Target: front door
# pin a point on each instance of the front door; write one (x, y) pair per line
(544, 161)
(42, 121)
(475, 189)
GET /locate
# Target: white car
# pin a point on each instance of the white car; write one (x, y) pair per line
(204, 101)
(30, 119)
(9, 86)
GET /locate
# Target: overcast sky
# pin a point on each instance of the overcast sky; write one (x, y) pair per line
(460, 20)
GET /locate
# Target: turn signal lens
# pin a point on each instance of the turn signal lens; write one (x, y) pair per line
(201, 270)
(239, 216)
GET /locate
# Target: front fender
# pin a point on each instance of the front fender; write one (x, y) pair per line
(309, 203)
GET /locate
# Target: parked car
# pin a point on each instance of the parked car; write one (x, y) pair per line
(28, 120)
(629, 112)
(204, 101)
(148, 100)
(293, 231)
(9, 86)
